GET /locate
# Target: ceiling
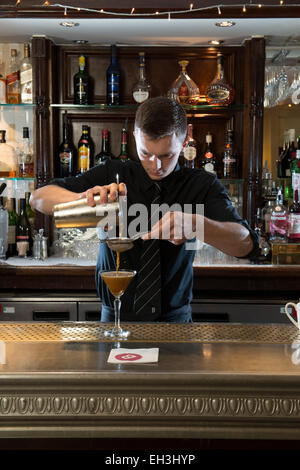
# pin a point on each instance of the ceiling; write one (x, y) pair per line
(188, 31)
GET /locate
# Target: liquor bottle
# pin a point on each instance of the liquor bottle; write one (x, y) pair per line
(279, 220)
(294, 219)
(13, 87)
(141, 90)
(3, 230)
(105, 153)
(266, 216)
(295, 171)
(23, 231)
(66, 153)
(8, 160)
(12, 223)
(229, 160)
(2, 83)
(81, 83)
(30, 214)
(26, 77)
(292, 148)
(113, 79)
(190, 149)
(284, 163)
(26, 164)
(124, 156)
(264, 247)
(220, 92)
(85, 151)
(184, 90)
(208, 161)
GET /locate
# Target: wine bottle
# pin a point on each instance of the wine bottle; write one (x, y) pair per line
(3, 229)
(220, 92)
(141, 90)
(124, 156)
(105, 153)
(26, 76)
(229, 160)
(81, 83)
(66, 153)
(12, 223)
(190, 149)
(113, 79)
(294, 219)
(208, 161)
(13, 79)
(23, 231)
(84, 151)
(26, 164)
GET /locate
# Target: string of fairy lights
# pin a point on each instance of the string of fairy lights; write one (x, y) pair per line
(219, 8)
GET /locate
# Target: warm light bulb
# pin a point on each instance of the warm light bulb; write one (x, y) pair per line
(219, 11)
(65, 12)
(191, 6)
(244, 9)
(259, 5)
(281, 2)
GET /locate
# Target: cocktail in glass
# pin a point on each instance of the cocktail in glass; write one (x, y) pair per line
(117, 282)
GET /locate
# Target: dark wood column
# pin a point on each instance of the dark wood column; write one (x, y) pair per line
(42, 59)
(253, 123)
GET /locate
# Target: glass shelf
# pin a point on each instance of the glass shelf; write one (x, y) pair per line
(16, 178)
(20, 105)
(105, 107)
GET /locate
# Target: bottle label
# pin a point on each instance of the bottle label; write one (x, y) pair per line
(26, 76)
(81, 89)
(190, 153)
(22, 244)
(208, 155)
(113, 86)
(209, 167)
(183, 92)
(278, 224)
(140, 96)
(84, 158)
(218, 93)
(26, 170)
(296, 181)
(65, 158)
(294, 226)
(287, 172)
(13, 78)
(2, 91)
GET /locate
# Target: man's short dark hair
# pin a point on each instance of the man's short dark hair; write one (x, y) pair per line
(159, 117)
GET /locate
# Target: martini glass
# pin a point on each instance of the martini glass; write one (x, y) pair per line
(117, 282)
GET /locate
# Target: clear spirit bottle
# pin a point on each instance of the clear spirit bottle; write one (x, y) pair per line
(13, 79)
(26, 77)
(184, 90)
(220, 92)
(141, 90)
(190, 149)
(279, 220)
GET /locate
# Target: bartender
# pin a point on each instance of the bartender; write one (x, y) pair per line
(163, 259)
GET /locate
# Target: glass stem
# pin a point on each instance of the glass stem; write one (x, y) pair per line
(117, 305)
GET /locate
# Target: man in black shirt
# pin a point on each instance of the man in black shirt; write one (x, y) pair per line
(160, 133)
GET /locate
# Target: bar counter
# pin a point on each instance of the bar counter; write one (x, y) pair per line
(211, 381)
(245, 279)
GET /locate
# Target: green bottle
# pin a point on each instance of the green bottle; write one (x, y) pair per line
(81, 83)
(12, 223)
(124, 156)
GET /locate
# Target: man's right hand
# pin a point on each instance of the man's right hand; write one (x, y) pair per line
(109, 192)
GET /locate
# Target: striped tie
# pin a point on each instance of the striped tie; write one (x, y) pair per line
(148, 290)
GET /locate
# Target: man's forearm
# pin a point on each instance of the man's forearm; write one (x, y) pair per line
(232, 238)
(45, 198)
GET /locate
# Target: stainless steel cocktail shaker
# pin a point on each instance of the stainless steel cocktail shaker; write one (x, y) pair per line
(78, 214)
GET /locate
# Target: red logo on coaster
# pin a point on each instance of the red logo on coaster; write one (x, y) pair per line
(128, 357)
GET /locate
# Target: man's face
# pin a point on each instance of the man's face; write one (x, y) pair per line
(158, 157)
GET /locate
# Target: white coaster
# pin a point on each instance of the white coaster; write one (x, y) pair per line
(133, 356)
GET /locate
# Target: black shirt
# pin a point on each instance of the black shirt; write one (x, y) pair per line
(183, 186)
